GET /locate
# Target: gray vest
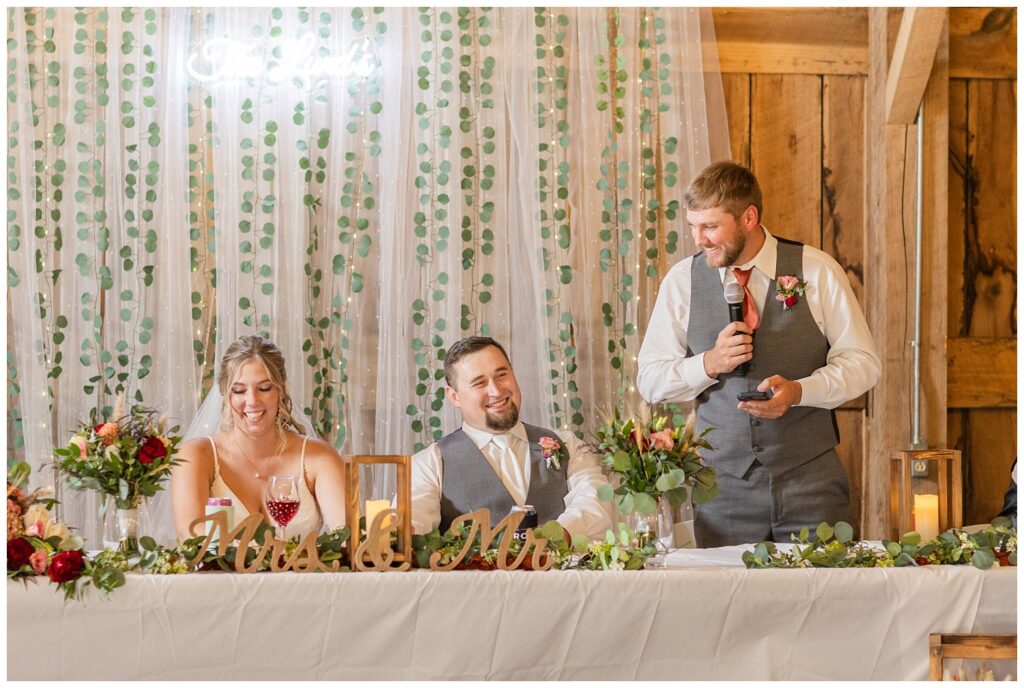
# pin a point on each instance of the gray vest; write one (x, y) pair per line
(787, 343)
(469, 483)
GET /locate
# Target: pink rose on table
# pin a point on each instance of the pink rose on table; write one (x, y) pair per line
(39, 559)
(66, 566)
(19, 550)
(662, 439)
(153, 449)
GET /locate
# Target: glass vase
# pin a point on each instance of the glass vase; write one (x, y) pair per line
(123, 526)
(654, 528)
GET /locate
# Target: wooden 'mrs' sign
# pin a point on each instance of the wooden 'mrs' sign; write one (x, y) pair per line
(304, 559)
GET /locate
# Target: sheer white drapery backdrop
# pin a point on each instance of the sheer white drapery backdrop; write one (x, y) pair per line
(295, 211)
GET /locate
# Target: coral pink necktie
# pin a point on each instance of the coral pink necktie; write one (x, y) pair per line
(750, 315)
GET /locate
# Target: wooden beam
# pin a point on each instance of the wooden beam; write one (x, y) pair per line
(834, 40)
(807, 40)
(885, 285)
(982, 372)
(934, 282)
(918, 38)
(983, 42)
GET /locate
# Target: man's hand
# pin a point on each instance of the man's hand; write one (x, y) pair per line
(786, 393)
(733, 347)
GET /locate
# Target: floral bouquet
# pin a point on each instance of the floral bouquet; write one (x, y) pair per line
(37, 544)
(126, 457)
(653, 459)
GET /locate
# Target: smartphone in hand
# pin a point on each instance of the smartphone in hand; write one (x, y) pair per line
(754, 396)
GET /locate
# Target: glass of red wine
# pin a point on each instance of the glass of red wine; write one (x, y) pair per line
(282, 500)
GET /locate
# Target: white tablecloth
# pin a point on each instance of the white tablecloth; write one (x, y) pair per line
(705, 617)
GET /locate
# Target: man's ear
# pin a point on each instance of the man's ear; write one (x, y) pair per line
(452, 395)
(751, 218)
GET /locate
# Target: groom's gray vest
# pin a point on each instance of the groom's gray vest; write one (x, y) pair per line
(469, 483)
(787, 343)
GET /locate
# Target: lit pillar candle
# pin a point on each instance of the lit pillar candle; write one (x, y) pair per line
(926, 515)
(374, 507)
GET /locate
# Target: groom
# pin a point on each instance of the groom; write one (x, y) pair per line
(495, 461)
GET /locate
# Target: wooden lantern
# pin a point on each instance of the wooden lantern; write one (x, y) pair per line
(356, 506)
(931, 504)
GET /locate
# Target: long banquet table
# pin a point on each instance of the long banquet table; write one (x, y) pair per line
(703, 617)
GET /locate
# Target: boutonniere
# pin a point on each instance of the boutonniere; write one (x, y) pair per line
(551, 449)
(789, 289)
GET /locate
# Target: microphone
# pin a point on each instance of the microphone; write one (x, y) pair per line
(734, 297)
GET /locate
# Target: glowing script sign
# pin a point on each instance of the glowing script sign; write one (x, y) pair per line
(225, 59)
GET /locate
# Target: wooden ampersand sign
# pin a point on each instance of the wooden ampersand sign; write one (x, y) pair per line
(377, 546)
(304, 559)
(480, 521)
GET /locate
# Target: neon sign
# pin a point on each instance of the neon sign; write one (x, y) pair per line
(225, 59)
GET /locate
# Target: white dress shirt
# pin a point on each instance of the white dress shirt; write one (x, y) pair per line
(667, 374)
(584, 512)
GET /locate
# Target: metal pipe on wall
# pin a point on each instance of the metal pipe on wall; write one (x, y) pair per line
(916, 441)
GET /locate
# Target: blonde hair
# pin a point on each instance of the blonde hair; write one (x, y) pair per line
(255, 348)
(724, 184)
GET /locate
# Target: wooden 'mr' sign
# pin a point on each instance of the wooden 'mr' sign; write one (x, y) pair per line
(480, 521)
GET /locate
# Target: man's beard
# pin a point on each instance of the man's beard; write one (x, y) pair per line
(502, 422)
(731, 253)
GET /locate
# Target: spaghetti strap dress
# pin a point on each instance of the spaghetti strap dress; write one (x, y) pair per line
(307, 520)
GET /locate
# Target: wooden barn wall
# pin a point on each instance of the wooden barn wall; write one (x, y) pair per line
(796, 114)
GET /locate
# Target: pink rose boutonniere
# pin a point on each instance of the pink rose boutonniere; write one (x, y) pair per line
(551, 450)
(789, 289)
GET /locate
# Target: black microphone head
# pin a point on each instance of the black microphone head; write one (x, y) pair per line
(733, 293)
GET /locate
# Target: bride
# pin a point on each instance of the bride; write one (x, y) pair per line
(258, 438)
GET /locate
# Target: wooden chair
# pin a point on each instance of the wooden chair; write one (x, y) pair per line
(967, 646)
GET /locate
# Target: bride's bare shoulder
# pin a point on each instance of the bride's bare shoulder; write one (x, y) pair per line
(318, 450)
(197, 450)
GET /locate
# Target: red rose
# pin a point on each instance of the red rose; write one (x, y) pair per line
(153, 449)
(66, 566)
(18, 551)
(791, 301)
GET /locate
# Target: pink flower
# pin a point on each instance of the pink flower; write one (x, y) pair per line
(549, 449)
(107, 433)
(787, 282)
(39, 559)
(549, 444)
(79, 441)
(662, 439)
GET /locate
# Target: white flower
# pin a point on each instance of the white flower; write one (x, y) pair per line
(36, 519)
(58, 529)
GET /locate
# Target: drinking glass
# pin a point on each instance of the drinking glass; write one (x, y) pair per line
(282, 500)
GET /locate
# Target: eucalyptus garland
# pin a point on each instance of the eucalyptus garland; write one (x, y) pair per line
(834, 547)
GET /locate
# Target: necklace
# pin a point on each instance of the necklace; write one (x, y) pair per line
(256, 472)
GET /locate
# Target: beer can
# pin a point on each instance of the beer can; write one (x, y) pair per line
(529, 520)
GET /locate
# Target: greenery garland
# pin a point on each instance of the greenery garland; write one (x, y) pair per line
(834, 547)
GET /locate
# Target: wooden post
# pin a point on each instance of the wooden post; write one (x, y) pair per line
(890, 201)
